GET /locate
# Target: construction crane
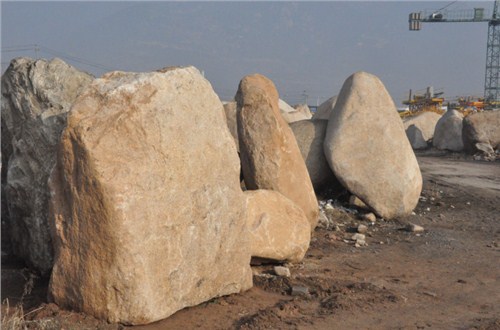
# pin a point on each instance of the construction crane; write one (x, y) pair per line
(492, 75)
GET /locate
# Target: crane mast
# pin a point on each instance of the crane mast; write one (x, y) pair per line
(492, 75)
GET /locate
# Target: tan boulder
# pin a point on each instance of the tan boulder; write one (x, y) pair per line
(310, 136)
(146, 205)
(367, 148)
(36, 97)
(279, 229)
(481, 128)
(270, 156)
(232, 124)
(291, 114)
(325, 109)
(448, 132)
(420, 129)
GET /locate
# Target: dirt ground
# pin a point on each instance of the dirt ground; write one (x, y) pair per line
(447, 277)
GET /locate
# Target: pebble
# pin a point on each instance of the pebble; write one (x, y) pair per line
(282, 271)
(329, 207)
(300, 291)
(362, 229)
(357, 236)
(369, 217)
(414, 228)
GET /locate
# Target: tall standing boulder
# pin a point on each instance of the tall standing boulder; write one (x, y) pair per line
(420, 129)
(270, 156)
(279, 229)
(448, 132)
(367, 148)
(310, 135)
(146, 204)
(481, 128)
(325, 109)
(36, 96)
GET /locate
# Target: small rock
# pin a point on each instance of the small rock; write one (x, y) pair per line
(328, 206)
(282, 271)
(451, 206)
(468, 203)
(413, 228)
(428, 209)
(300, 291)
(357, 236)
(360, 243)
(369, 217)
(362, 229)
(413, 213)
(440, 203)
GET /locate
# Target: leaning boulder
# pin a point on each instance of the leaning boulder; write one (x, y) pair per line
(279, 229)
(270, 156)
(292, 114)
(481, 130)
(420, 129)
(448, 132)
(367, 148)
(310, 136)
(36, 96)
(325, 109)
(146, 204)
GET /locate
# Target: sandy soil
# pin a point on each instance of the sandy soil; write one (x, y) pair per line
(447, 277)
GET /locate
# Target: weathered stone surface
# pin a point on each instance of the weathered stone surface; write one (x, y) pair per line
(367, 148)
(279, 229)
(448, 132)
(325, 109)
(147, 209)
(270, 156)
(291, 114)
(232, 124)
(310, 136)
(479, 129)
(420, 129)
(36, 96)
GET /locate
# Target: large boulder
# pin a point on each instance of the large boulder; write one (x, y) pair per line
(420, 129)
(310, 135)
(36, 96)
(367, 148)
(279, 229)
(481, 128)
(291, 114)
(270, 156)
(232, 124)
(325, 109)
(448, 132)
(146, 204)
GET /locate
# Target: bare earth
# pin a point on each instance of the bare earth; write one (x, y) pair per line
(447, 277)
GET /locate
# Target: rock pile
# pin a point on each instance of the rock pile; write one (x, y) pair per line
(36, 96)
(420, 129)
(146, 213)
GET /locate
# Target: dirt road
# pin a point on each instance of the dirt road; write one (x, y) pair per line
(447, 277)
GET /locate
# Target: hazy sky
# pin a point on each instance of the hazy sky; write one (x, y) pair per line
(306, 48)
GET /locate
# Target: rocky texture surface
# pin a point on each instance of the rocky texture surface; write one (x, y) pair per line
(367, 148)
(291, 114)
(480, 130)
(310, 136)
(270, 156)
(448, 132)
(146, 205)
(420, 129)
(279, 229)
(36, 96)
(325, 109)
(232, 124)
